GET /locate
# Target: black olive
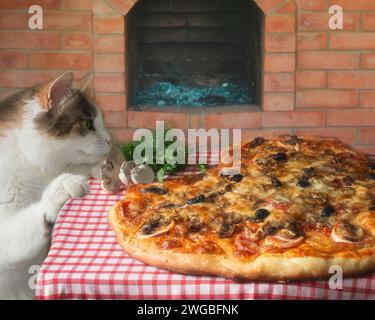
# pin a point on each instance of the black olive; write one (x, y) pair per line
(348, 180)
(371, 166)
(261, 214)
(310, 172)
(303, 183)
(256, 142)
(226, 230)
(372, 176)
(276, 182)
(327, 211)
(280, 157)
(156, 190)
(151, 225)
(237, 177)
(195, 200)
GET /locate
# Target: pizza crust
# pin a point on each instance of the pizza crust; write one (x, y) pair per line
(275, 267)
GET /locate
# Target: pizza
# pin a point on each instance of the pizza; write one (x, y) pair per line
(298, 206)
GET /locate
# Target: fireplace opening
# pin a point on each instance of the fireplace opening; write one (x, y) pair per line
(196, 53)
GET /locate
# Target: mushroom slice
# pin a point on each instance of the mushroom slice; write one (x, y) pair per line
(154, 229)
(347, 233)
(281, 242)
(288, 237)
(229, 171)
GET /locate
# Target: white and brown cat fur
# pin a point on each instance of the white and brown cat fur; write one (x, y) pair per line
(50, 137)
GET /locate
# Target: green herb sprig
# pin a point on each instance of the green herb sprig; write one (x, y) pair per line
(163, 169)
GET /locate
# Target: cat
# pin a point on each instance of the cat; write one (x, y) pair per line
(51, 135)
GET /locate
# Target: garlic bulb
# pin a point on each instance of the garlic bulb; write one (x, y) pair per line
(125, 170)
(142, 174)
(130, 173)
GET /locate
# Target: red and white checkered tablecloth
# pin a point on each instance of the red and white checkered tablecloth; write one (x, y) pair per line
(86, 262)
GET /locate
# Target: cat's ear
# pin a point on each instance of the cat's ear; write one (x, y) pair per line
(54, 91)
(84, 85)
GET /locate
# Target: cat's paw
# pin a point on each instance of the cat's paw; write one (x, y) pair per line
(60, 190)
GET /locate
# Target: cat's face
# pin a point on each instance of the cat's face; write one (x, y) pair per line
(66, 129)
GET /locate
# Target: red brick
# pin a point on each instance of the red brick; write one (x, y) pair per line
(25, 78)
(248, 135)
(147, 119)
(289, 7)
(327, 99)
(109, 44)
(267, 6)
(64, 21)
(367, 99)
(351, 79)
(122, 135)
(278, 102)
(111, 102)
(313, 5)
(195, 121)
(52, 21)
(111, 25)
(25, 4)
(77, 4)
(280, 42)
(123, 6)
(13, 20)
(76, 41)
(352, 21)
(12, 59)
(101, 7)
(279, 82)
(110, 83)
(311, 79)
(367, 136)
(279, 63)
(115, 119)
(350, 5)
(109, 63)
(368, 60)
(319, 21)
(60, 60)
(311, 40)
(280, 24)
(366, 149)
(29, 40)
(345, 134)
(313, 21)
(351, 117)
(327, 60)
(352, 40)
(293, 119)
(233, 120)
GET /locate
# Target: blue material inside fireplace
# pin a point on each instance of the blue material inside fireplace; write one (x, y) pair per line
(167, 94)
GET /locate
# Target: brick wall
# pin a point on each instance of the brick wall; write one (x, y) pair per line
(315, 80)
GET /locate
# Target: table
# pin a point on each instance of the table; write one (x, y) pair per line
(86, 262)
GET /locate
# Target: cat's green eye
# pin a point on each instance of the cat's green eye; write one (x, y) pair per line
(88, 124)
